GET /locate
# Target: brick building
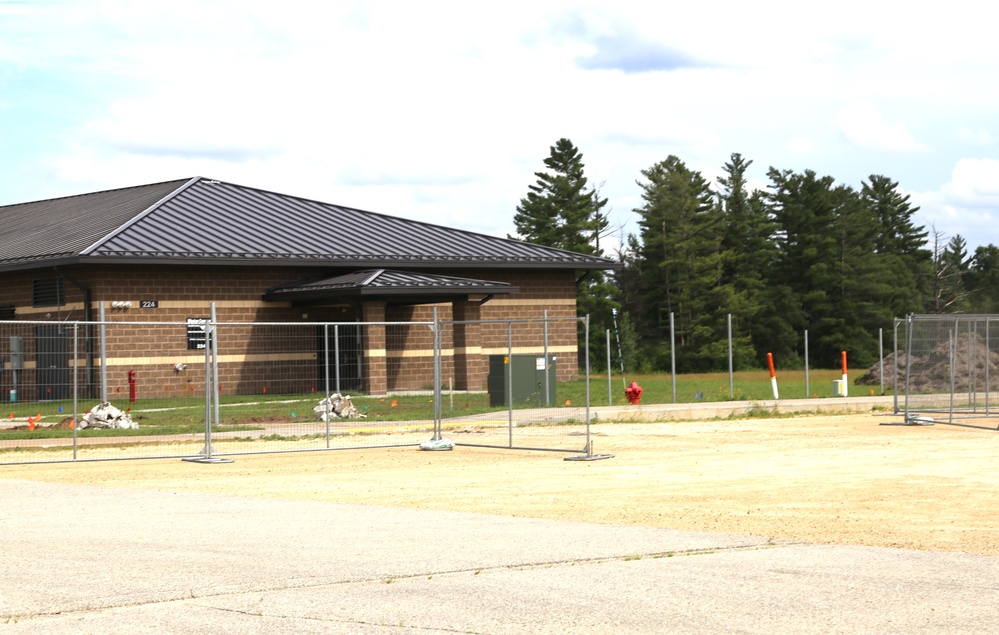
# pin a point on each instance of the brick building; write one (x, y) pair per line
(165, 252)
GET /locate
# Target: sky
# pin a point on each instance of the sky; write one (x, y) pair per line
(443, 111)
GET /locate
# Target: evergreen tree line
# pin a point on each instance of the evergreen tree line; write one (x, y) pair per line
(805, 253)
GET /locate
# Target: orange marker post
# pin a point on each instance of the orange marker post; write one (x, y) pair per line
(842, 387)
(773, 375)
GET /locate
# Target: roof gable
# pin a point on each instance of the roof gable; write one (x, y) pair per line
(201, 220)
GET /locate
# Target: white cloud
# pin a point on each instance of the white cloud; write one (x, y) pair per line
(444, 110)
(968, 204)
(975, 182)
(863, 125)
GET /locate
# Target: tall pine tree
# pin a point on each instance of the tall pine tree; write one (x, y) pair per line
(561, 210)
(679, 262)
(901, 244)
(747, 254)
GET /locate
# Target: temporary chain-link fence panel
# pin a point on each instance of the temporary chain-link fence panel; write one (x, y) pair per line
(126, 389)
(527, 388)
(948, 365)
(292, 386)
(99, 390)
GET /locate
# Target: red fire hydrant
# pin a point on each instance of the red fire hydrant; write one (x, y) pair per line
(634, 393)
(131, 386)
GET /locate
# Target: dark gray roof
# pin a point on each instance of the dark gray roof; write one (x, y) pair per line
(206, 221)
(64, 227)
(388, 285)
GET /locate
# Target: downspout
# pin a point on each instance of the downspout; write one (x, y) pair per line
(88, 313)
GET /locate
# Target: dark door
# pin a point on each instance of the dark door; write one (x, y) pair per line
(52, 357)
(339, 352)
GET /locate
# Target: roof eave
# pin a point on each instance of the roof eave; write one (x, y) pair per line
(39, 263)
(45, 262)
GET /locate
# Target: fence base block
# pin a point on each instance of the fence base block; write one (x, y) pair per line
(207, 459)
(589, 457)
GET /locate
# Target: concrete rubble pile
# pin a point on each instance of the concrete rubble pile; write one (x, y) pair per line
(104, 415)
(338, 406)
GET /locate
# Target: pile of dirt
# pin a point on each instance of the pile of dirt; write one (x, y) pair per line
(932, 372)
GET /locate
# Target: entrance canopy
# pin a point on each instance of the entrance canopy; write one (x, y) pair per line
(386, 285)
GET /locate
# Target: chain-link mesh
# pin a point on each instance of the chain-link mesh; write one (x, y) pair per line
(524, 389)
(948, 365)
(286, 387)
(197, 388)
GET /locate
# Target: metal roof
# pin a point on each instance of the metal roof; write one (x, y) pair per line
(63, 227)
(388, 285)
(207, 221)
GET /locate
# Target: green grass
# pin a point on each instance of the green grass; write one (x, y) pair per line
(247, 412)
(747, 386)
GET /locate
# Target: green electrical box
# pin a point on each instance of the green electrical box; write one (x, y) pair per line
(532, 381)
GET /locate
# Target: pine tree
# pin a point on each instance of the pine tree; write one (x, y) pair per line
(562, 211)
(679, 262)
(559, 209)
(747, 254)
(983, 279)
(901, 244)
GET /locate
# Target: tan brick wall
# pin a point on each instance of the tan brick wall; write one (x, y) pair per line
(401, 357)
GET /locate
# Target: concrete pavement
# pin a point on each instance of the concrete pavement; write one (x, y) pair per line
(82, 559)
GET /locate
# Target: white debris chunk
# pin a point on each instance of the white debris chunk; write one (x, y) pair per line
(338, 406)
(437, 444)
(104, 415)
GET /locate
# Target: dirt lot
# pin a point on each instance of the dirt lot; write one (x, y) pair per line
(832, 479)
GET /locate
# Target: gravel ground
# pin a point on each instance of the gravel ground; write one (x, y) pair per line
(845, 479)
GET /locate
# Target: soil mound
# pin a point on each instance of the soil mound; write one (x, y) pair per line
(932, 372)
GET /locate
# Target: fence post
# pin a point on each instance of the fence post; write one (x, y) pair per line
(589, 455)
(953, 362)
(76, 381)
(215, 365)
(438, 415)
(326, 379)
(881, 358)
(211, 391)
(988, 386)
(672, 353)
(808, 390)
(908, 361)
(731, 381)
(548, 400)
(104, 354)
(509, 380)
(894, 374)
(610, 398)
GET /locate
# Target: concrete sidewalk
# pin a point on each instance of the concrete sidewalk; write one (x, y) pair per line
(703, 410)
(80, 559)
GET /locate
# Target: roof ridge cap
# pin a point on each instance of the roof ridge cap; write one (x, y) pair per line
(146, 212)
(372, 277)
